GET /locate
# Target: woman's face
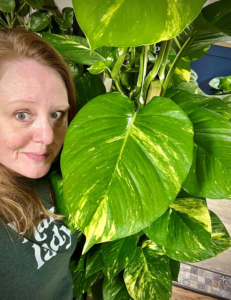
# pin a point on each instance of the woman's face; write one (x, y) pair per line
(33, 116)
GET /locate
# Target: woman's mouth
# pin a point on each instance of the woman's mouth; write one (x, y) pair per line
(37, 156)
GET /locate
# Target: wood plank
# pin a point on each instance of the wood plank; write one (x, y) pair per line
(179, 293)
(223, 44)
(221, 263)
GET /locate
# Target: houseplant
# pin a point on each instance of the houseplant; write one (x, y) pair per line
(138, 163)
(137, 169)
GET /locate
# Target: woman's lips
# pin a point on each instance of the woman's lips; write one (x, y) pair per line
(37, 157)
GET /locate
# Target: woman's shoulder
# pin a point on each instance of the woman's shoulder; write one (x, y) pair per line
(44, 190)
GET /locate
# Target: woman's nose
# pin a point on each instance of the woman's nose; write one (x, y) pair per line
(43, 132)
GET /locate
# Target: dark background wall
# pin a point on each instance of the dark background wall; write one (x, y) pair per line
(216, 62)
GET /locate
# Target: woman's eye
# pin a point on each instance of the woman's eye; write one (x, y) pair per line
(22, 116)
(56, 115)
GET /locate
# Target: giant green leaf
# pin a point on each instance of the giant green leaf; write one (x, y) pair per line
(75, 48)
(220, 237)
(210, 174)
(130, 164)
(148, 275)
(7, 5)
(116, 254)
(115, 290)
(184, 230)
(133, 22)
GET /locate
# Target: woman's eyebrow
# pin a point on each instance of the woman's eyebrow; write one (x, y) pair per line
(21, 101)
(64, 107)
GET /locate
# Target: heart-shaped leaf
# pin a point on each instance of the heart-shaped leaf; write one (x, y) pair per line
(117, 254)
(131, 165)
(7, 5)
(39, 21)
(148, 275)
(184, 230)
(220, 237)
(119, 23)
(75, 48)
(210, 174)
(97, 68)
(68, 15)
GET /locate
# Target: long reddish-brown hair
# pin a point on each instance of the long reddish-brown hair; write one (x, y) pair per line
(20, 205)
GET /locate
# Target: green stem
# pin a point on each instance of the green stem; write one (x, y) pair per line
(7, 18)
(118, 85)
(17, 12)
(3, 23)
(164, 62)
(152, 74)
(140, 76)
(175, 62)
(133, 55)
(145, 64)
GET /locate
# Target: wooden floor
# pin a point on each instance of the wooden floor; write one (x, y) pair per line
(183, 294)
(221, 263)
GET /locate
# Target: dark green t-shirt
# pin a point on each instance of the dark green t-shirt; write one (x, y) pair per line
(37, 268)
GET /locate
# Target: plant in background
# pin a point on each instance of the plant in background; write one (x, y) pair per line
(139, 163)
(221, 85)
(35, 16)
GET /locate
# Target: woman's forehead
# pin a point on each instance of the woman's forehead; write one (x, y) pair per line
(29, 80)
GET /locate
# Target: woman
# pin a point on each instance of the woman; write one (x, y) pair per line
(37, 101)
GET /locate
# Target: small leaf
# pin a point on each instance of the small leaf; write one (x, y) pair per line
(94, 261)
(35, 3)
(148, 274)
(115, 290)
(68, 15)
(39, 21)
(62, 23)
(97, 68)
(73, 48)
(88, 87)
(214, 83)
(220, 237)
(182, 72)
(198, 54)
(7, 5)
(115, 61)
(76, 70)
(117, 254)
(184, 230)
(175, 269)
